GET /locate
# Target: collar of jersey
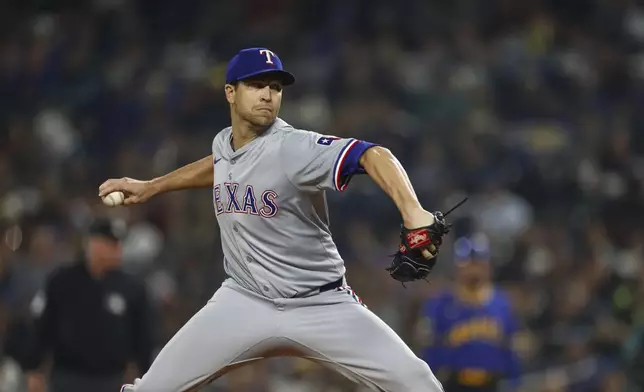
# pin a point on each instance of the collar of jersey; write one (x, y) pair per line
(232, 153)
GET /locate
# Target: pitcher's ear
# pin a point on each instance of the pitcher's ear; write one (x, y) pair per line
(230, 90)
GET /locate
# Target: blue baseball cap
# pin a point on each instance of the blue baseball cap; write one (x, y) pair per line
(474, 248)
(257, 61)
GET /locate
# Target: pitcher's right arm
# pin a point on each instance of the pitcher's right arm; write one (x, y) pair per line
(198, 174)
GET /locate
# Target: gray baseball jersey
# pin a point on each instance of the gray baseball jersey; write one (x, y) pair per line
(269, 197)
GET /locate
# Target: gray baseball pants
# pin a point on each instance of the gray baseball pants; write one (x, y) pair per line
(333, 328)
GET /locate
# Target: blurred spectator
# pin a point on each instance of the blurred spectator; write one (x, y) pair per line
(93, 319)
(470, 328)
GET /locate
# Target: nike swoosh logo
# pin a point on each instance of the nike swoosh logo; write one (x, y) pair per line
(217, 160)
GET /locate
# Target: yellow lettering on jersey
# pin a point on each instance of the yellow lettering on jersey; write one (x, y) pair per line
(477, 329)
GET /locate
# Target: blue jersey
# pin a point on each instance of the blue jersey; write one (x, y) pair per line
(472, 343)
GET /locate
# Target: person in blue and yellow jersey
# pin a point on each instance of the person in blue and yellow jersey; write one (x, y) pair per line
(470, 327)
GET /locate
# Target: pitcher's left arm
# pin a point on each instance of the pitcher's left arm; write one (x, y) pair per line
(387, 171)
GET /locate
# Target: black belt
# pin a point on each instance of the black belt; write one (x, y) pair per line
(332, 285)
(321, 289)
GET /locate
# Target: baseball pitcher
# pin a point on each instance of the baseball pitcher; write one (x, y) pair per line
(287, 293)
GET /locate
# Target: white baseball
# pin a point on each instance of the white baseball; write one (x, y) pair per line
(114, 199)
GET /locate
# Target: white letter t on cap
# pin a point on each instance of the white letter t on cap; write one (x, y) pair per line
(268, 54)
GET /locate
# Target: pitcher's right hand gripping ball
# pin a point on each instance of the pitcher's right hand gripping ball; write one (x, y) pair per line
(134, 191)
(409, 263)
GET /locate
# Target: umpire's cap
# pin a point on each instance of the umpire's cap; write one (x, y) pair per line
(257, 61)
(106, 228)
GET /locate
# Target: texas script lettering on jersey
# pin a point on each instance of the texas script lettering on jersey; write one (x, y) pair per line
(235, 203)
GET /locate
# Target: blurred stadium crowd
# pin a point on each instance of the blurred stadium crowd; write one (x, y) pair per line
(532, 108)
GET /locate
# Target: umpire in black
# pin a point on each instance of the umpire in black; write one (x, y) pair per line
(93, 321)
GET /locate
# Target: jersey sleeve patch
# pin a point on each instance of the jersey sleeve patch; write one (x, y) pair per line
(326, 140)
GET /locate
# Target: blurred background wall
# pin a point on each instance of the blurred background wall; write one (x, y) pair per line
(532, 108)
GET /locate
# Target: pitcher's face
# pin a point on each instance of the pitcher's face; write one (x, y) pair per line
(256, 100)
